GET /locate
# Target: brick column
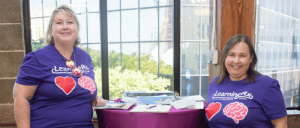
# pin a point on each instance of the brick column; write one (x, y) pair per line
(11, 55)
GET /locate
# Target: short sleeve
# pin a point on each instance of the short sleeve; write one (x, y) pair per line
(30, 71)
(90, 59)
(210, 88)
(273, 103)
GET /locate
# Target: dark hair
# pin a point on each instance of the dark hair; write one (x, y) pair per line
(251, 73)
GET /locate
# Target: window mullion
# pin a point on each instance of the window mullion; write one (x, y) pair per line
(176, 37)
(139, 35)
(27, 30)
(104, 49)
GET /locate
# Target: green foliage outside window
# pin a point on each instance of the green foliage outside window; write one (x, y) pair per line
(129, 80)
(37, 44)
(130, 62)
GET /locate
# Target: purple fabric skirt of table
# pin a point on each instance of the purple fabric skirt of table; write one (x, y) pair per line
(190, 118)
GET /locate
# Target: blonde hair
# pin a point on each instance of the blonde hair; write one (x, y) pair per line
(67, 11)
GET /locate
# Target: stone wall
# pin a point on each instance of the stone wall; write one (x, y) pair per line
(11, 55)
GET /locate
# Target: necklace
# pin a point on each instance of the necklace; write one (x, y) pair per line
(70, 63)
(76, 71)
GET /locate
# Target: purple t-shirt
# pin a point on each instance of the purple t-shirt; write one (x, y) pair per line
(60, 100)
(236, 104)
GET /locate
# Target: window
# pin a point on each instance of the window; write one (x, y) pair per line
(278, 45)
(140, 45)
(194, 46)
(140, 42)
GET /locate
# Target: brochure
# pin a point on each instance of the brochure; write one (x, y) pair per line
(151, 109)
(116, 106)
(154, 99)
(136, 94)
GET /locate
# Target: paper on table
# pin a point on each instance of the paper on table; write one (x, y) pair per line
(128, 99)
(157, 109)
(181, 104)
(187, 104)
(199, 105)
(154, 99)
(116, 106)
(197, 98)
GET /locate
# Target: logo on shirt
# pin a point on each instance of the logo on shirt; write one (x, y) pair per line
(87, 83)
(232, 96)
(66, 84)
(237, 111)
(212, 109)
(66, 70)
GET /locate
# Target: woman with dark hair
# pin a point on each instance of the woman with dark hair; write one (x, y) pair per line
(241, 96)
(55, 87)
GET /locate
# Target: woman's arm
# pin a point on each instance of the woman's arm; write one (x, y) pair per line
(280, 123)
(22, 94)
(98, 101)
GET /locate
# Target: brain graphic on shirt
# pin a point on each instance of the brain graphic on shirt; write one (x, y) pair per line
(237, 111)
(87, 83)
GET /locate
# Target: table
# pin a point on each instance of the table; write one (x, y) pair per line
(190, 118)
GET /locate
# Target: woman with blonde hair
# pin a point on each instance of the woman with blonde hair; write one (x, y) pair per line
(55, 86)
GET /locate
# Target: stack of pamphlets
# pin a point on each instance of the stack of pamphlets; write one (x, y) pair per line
(116, 106)
(151, 109)
(148, 97)
(188, 102)
(135, 94)
(154, 99)
(197, 98)
(183, 104)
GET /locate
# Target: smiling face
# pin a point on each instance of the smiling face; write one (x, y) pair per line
(64, 29)
(238, 61)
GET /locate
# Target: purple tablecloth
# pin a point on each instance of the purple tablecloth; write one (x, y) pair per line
(191, 118)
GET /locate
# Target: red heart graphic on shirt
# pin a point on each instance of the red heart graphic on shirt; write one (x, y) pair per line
(66, 84)
(212, 109)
